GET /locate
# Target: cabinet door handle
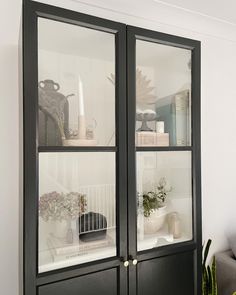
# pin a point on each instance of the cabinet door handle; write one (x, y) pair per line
(125, 262)
(135, 261)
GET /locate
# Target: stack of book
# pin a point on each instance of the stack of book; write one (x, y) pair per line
(174, 110)
(60, 250)
(151, 138)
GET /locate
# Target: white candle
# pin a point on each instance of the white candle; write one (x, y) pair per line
(160, 127)
(81, 98)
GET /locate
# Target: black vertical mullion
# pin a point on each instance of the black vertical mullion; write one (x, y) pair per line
(121, 155)
(132, 202)
(30, 148)
(196, 163)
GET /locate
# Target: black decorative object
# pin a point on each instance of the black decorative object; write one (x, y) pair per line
(92, 226)
(144, 117)
(53, 113)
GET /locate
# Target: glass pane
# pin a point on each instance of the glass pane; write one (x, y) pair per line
(164, 194)
(163, 95)
(76, 68)
(77, 208)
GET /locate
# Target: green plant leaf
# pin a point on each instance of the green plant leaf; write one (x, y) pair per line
(213, 272)
(205, 283)
(209, 280)
(206, 251)
(209, 283)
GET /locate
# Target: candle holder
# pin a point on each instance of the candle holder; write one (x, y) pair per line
(144, 117)
(81, 127)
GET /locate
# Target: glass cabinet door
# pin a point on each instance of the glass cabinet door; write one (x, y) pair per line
(163, 95)
(164, 183)
(163, 140)
(76, 71)
(77, 144)
(77, 208)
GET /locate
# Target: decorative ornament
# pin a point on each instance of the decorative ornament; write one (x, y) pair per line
(144, 93)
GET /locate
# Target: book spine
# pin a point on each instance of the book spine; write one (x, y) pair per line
(172, 127)
(68, 250)
(189, 118)
(181, 106)
(58, 258)
(166, 113)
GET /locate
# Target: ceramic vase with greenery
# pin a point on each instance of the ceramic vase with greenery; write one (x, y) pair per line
(154, 207)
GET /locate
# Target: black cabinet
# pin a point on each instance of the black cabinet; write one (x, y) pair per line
(103, 282)
(112, 192)
(161, 276)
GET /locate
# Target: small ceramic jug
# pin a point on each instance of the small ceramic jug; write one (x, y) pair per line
(174, 225)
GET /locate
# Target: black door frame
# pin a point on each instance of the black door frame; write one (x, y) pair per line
(195, 245)
(32, 279)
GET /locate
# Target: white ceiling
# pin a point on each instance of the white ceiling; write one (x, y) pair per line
(222, 9)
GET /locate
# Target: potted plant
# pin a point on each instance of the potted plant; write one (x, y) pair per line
(209, 284)
(153, 204)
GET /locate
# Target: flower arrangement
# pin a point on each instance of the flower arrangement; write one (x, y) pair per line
(156, 199)
(62, 206)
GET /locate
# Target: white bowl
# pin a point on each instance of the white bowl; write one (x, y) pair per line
(155, 221)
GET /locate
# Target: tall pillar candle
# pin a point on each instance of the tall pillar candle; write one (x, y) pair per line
(160, 127)
(81, 114)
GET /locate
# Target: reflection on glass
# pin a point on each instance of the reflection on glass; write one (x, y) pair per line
(164, 194)
(77, 214)
(163, 95)
(76, 67)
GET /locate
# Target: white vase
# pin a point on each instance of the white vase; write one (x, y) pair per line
(155, 221)
(62, 230)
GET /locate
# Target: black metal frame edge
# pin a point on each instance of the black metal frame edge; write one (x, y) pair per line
(163, 149)
(31, 10)
(163, 38)
(166, 250)
(196, 164)
(76, 271)
(121, 159)
(131, 164)
(30, 153)
(63, 149)
(74, 17)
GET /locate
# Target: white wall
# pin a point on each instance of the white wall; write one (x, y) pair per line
(9, 149)
(218, 114)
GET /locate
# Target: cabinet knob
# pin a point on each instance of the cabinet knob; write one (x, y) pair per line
(135, 261)
(125, 261)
